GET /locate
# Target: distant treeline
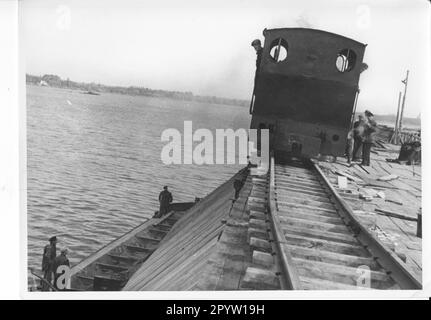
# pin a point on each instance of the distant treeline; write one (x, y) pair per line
(55, 81)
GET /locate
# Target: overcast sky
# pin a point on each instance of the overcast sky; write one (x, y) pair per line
(189, 46)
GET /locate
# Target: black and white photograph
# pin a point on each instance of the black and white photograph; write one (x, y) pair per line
(264, 148)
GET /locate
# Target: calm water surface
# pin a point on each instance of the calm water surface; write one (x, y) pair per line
(94, 168)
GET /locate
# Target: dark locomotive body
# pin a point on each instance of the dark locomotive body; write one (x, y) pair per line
(305, 90)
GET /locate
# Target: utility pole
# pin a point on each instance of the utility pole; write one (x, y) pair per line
(394, 138)
(405, 81)
(355, 103)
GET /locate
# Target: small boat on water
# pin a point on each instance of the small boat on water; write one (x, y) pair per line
(92, 93)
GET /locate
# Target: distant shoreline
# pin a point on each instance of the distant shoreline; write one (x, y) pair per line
(389, 121)
(96, 88)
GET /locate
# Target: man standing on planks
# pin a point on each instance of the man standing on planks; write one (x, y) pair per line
(349, 146)
(60, 260)
(49, 255)
(237, 185)
(370, 129)
(165, 199)
(358, 136)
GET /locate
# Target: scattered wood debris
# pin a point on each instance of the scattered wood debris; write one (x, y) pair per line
(342, 182)
(394, 201)
(394, 214)
(348, 176)
(388, 177)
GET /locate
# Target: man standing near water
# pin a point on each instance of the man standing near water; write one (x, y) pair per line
(61, 260)
(237, 185)
(49, 255)
(165, 199)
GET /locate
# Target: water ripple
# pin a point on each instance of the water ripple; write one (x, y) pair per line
(94, 168)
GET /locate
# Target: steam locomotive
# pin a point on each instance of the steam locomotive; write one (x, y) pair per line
(306, 89)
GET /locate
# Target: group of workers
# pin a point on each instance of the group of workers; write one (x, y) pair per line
(51, 263)
(361, 138)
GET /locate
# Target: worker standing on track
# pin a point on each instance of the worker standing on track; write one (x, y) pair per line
(358, 136)
(165, 199)
(237, 185)
(49, 255)
(370, 129)
(349, 146)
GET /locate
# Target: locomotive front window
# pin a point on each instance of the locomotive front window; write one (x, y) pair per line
(278, 50)
(346, 60)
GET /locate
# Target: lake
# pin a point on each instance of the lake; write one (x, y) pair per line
(93, 164)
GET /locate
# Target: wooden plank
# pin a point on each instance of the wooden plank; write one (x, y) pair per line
(321, 284)
(348, 176)
(260, 279)
(314, 225)
(287, 195)
(303, 191)
(385, 167)
(338, 273)
(394, 214)
(306, 203)
(333, 257)
(325, 245)
(287, 209)
(319, 235)
(290, 185)
(312, 216)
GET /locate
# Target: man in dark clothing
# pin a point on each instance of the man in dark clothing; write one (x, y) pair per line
(237, 185)
(165, 199)
(358, 136)
(61, 260)
(49, 254)
(258, 47)
(259, 50)
(370, 128)
(349, 146)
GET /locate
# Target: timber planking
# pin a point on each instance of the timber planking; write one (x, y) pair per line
(402, 195)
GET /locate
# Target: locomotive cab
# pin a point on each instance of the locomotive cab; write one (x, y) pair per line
(306, 90)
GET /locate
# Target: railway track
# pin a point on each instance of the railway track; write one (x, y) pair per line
(303, 234)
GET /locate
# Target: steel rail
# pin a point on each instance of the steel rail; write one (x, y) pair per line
(289, 274)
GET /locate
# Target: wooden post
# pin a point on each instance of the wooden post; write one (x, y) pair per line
(394, 138)
(405, 81)
(419, 225)
(355, 103)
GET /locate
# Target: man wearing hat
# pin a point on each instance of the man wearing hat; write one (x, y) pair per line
(358, 137)
(259, 50)
(165, 199)
(49, 254)
(370, 128)
(61, 260)
(258, 47)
